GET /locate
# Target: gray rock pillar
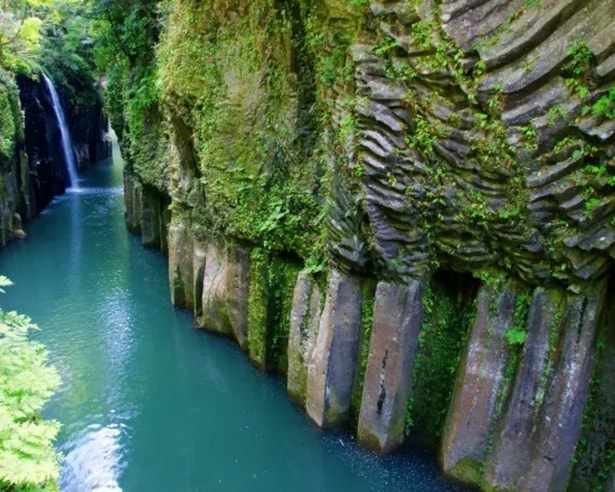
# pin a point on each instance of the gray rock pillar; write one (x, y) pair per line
(552, 449)
(332, 369)
(225, 291)
(132, 201)
(150, 219)
(180, 263)
(199, 254)
(398, 315)
(480, 383)
(509, 458)
(304, 321)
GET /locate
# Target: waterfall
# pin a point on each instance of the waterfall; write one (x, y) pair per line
(67, 147)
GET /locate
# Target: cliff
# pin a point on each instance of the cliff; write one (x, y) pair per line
(14, 197)
(407, 207)
(33, 168)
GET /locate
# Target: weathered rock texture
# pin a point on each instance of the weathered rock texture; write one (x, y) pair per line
(477, 402)
(304, 321)
(332, 368)
(398, 316)
(414, 143)
(225, 291)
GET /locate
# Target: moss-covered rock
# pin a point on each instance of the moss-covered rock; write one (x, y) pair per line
(14, 176)
(399, 141)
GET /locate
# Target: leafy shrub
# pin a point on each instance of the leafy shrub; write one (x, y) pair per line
(27, 457)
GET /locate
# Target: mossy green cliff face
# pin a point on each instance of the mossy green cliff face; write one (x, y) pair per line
(406, 206)
(14, 178)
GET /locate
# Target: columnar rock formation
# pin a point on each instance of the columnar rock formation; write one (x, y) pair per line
(408, 207)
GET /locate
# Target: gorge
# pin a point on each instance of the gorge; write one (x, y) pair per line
(406, 208)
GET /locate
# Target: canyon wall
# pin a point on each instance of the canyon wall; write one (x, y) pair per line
(14, 178)
(407, 208)
(33, 167)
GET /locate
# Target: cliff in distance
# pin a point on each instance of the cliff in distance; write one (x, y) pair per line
(406, 207)
(32, 166)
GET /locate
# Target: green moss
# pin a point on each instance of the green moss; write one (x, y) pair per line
(467, 470)
(367, 319)
(282, 278)
(272, 281)
(594, 459)
(446, 322)
(516, 334)
(179, 291)
(257, 307)
(227, 87)
(8, 125)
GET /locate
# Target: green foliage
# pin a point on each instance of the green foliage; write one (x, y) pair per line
(516, 334)
(29, 461)
(581, 59)
(8, 124)
(590, 205)
(227, 91)
(529, 136)
(580, 56)
(272, 281)
(604, 105)
(20, 25)
(66, 52)
(447, 319)
(125, 34)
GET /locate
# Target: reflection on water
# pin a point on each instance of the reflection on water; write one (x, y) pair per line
(95, 462)
(148, 404)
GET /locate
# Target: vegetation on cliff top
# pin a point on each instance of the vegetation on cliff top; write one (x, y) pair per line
(52, 36)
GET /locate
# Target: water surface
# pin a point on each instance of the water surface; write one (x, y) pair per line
(147, 402)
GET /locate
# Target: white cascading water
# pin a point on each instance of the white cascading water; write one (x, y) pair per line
(67, 147)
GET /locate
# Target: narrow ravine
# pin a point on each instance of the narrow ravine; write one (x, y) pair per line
(147, 402)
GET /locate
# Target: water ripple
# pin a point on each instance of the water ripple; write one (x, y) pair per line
(94, 460)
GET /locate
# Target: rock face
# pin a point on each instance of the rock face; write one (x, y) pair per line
(32, 168)
(308, 150)
(225, 291)
(14, 182)
(477, 401)
(304, 323)
(332, 368)
(46, 166)
(398, 316)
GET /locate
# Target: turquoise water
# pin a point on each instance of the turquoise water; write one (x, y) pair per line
(148, 403)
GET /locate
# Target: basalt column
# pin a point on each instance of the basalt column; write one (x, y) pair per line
(332, 369)
(225, 291)
(180, 263)
(477, 400)
(304, 321)
(398, 315)
(517, 414)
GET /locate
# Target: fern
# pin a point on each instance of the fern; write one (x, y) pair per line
(28, 460)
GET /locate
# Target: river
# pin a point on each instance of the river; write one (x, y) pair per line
(147, 402)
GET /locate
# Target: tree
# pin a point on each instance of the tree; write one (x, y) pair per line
(20, 22)
(28, 461)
